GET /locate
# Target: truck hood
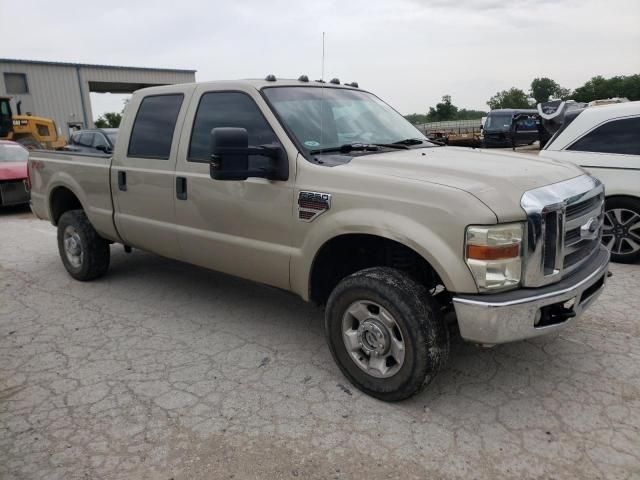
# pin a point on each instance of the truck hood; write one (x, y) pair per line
(13, 170)
(498, 179)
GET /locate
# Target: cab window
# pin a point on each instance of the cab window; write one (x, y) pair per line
(620, 136)
(228, 109)
(154, 126)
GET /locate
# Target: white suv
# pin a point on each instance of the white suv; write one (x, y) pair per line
(605, 140)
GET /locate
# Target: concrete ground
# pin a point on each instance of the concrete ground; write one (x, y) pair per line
(162, 370)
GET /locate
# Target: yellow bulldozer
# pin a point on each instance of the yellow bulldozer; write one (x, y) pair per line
(30, 131)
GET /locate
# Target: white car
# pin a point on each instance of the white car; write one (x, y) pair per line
(605, 140)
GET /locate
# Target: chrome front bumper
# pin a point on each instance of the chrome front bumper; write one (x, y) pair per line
(529, 312)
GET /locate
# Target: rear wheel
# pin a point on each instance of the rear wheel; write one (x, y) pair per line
(84, 253)
(621, 231)
(386, 333)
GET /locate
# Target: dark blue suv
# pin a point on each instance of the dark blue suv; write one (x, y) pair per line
(499, 129)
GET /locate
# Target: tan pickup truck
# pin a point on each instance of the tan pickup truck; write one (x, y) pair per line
(324, 190)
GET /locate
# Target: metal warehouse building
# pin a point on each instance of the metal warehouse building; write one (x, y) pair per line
(61, 90)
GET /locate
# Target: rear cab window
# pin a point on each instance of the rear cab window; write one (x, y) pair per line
(154, 126)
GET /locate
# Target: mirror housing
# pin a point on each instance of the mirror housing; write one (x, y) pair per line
(230, 153)
(103, 148)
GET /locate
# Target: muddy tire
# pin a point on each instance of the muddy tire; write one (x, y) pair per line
(386, 333)
(621, 232)
(84, 253)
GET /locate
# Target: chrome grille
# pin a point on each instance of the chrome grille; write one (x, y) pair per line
(564, 228)
(579, 242)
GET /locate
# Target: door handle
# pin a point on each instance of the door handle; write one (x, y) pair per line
(181, 188)
(122, 180)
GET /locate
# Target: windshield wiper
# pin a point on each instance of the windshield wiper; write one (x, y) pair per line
(409, 141)
(365, 147)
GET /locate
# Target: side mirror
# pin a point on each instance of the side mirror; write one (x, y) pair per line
(230, 153)
(103, 148)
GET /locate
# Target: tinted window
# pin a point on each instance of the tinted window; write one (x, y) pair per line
(86, 139)
(99, 140)
(618, 136)
(153, 128)
(228, 109)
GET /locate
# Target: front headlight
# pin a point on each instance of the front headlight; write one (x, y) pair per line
(493, 254)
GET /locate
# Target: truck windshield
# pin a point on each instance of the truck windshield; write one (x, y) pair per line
(326, 118)
(501, 122)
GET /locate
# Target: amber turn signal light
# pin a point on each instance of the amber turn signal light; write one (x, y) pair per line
(496, 252)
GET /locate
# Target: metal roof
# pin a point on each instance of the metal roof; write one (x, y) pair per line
(89, 65)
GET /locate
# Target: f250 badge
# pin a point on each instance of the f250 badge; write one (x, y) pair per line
(312, 204)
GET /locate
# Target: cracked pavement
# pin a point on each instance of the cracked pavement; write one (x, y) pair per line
(164, 370)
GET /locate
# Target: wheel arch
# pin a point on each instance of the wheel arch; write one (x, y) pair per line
(62, 199)
(346, 253)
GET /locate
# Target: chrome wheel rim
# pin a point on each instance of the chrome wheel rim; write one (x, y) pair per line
(621, 231)
(373, 339)
(72, 246)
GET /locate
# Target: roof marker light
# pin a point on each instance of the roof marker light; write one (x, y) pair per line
(270, 78)
(335, 81)
(303, 78)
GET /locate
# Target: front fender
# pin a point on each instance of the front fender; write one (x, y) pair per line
(445, 255)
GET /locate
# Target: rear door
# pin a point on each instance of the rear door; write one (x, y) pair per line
(143, 172)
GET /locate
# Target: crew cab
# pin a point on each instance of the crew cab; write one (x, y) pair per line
(605, 140)
(324, 190)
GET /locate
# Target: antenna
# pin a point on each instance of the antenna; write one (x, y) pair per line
(322, 72)
(322, 92)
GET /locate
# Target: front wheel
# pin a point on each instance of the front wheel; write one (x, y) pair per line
(84, 253)
(621, 230)
(386, 333)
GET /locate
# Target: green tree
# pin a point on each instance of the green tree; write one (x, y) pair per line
(416, 118)
(444, 110)
(599, 88)
(543, 88)
(109, 120)
(512, 98)
(464, 114)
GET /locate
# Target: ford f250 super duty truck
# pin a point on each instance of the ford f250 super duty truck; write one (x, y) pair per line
(324, 190)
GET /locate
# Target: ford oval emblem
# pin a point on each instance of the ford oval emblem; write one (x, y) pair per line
(589, 229)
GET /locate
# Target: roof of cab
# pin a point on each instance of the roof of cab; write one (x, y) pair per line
(258, 84)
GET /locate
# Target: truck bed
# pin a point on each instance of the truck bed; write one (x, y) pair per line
(87, 176)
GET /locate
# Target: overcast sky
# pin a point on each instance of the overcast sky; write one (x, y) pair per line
(409, 52)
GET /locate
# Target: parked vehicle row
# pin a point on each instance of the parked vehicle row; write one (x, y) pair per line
(605, 140)
(324, 190)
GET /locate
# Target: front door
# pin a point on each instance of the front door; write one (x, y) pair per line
(238, 227)
(143, 174)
